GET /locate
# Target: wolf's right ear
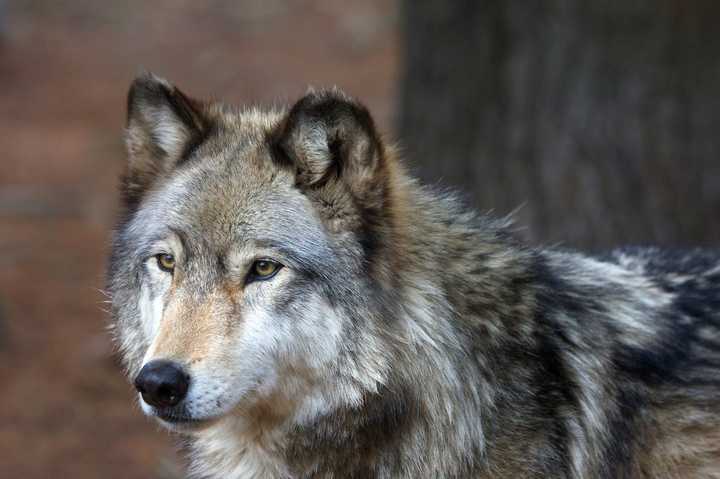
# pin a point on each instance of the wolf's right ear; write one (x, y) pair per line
(163, 125)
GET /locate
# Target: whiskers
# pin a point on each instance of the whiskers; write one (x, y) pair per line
(104, 304)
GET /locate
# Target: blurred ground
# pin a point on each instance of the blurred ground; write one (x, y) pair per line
(65, 408)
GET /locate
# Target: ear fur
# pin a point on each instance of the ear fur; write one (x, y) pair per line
(163, 126)
(329, 138)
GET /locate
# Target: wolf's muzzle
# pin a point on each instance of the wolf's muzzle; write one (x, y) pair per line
(162, 383)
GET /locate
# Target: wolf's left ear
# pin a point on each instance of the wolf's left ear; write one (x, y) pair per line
(328, 137)
(163, 125)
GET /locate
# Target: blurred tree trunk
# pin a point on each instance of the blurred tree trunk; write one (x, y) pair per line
(601, 117)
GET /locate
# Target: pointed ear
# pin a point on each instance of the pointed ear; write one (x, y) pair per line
(163, 126)
(329, 138)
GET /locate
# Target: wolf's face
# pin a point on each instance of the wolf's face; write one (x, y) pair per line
(244, 250)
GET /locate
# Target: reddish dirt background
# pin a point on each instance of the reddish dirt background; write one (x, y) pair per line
(65, 408)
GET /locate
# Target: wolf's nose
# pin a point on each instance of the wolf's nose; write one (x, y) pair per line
(162, 383)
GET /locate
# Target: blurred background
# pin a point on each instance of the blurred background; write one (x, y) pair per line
(596, 120)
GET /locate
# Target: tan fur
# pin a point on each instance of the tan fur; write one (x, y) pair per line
(404, 336)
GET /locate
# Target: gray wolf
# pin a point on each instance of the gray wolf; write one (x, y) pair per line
(290, 300)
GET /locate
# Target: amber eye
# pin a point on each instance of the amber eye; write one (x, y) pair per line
(264, 269)
(166, 262)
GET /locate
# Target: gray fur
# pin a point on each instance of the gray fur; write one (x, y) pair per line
(405, 336)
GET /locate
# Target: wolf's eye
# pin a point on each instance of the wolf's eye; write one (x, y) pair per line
(166, 262)
(264, 269)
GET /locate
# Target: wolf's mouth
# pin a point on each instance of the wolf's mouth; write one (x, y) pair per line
(175, 418)
(180, 420)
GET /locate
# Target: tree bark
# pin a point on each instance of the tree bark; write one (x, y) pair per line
(598, 118)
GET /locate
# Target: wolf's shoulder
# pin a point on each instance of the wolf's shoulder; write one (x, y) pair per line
(691, 273)
(659, 262)
(658, 285)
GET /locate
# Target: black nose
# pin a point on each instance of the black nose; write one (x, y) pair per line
(162, 383)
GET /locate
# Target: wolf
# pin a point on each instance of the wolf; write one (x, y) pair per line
(291, 301)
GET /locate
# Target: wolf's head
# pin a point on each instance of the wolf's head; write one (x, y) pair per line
(250, 245)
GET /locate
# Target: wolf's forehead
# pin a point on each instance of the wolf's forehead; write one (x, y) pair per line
(243, 186)
(231, 191)
(246, 129)
(224, 203)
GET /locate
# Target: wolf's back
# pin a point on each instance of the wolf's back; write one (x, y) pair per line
(645, 324)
